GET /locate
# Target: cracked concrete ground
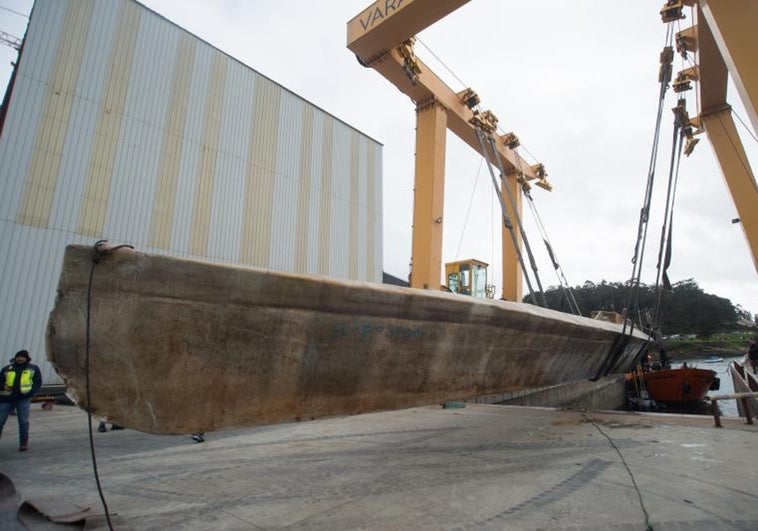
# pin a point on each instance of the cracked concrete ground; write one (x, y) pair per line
(480, 467)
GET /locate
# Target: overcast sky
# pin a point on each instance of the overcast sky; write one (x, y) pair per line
(576, 81)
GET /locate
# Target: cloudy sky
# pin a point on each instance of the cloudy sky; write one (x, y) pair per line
(576, 81)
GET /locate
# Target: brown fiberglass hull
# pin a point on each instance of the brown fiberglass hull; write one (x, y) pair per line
(179, 346)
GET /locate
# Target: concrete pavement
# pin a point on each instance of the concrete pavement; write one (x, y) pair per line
(480, 467)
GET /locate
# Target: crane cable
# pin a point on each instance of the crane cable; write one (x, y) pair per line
(514, 209)
(568, 293)
(664, 249)
(664, 78)
(507, 220)
(468, 210)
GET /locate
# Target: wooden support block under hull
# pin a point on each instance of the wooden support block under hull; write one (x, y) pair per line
(180, 346)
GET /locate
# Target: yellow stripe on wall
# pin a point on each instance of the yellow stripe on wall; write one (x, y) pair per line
(108, 128)
(261, 174)
(171, 149)
(214, 104)
(42, 177)
(304, 189)
(370, 212)
(352, 248)
(325, 212)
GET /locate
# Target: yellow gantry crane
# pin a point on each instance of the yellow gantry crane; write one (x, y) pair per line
(726, 41)
(382, 37)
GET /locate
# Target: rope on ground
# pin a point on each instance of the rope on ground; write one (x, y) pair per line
(99, 253)
(648, 526)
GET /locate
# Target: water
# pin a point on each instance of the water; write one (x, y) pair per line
(727, 407)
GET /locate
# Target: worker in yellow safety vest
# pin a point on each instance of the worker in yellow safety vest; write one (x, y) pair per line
(20, 381)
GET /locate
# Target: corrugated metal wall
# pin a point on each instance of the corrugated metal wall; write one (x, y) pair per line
(123, 126)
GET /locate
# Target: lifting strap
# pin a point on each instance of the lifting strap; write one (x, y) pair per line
(568, 293)
(664, 250)
(507, 221)
(664, 78)
(512, 202)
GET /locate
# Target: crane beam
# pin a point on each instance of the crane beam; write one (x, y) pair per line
(430, 87)
(732, 25)
(713, 74)
(428, 196)
(386, 23)
(513, 280)
(735, 167)
(382, 37)
(724, 43)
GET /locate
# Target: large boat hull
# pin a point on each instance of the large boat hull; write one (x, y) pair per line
(179, 346)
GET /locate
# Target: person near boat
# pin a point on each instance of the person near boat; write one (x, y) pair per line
(663, 359)
(752, 354)
(21, 380)
(647, 362)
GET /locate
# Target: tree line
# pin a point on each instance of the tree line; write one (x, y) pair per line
(685, 309)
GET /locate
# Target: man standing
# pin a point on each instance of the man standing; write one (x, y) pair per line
(20, 380)
(752, 355)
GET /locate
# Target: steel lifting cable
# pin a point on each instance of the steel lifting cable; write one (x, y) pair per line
(480, 135)
(468, 210)
(562, 281)
(512, 201)
(664, 249)
(744, 125)
(506, 218)
(667, 57)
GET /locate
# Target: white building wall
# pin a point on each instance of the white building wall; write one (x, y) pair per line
(123, 126)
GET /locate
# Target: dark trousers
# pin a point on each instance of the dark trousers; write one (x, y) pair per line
(22, 406)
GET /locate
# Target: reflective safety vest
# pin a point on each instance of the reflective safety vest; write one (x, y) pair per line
(25, 385)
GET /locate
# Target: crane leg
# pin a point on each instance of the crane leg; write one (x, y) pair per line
(429, 191)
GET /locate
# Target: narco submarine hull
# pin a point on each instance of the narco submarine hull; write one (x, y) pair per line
(180, 346)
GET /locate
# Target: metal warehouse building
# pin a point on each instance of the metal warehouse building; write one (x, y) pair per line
(122, 126)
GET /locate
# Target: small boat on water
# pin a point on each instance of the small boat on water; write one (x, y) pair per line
(714, 359)
(680, 386)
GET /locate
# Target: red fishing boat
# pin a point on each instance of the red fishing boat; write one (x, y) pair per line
(685, 384)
